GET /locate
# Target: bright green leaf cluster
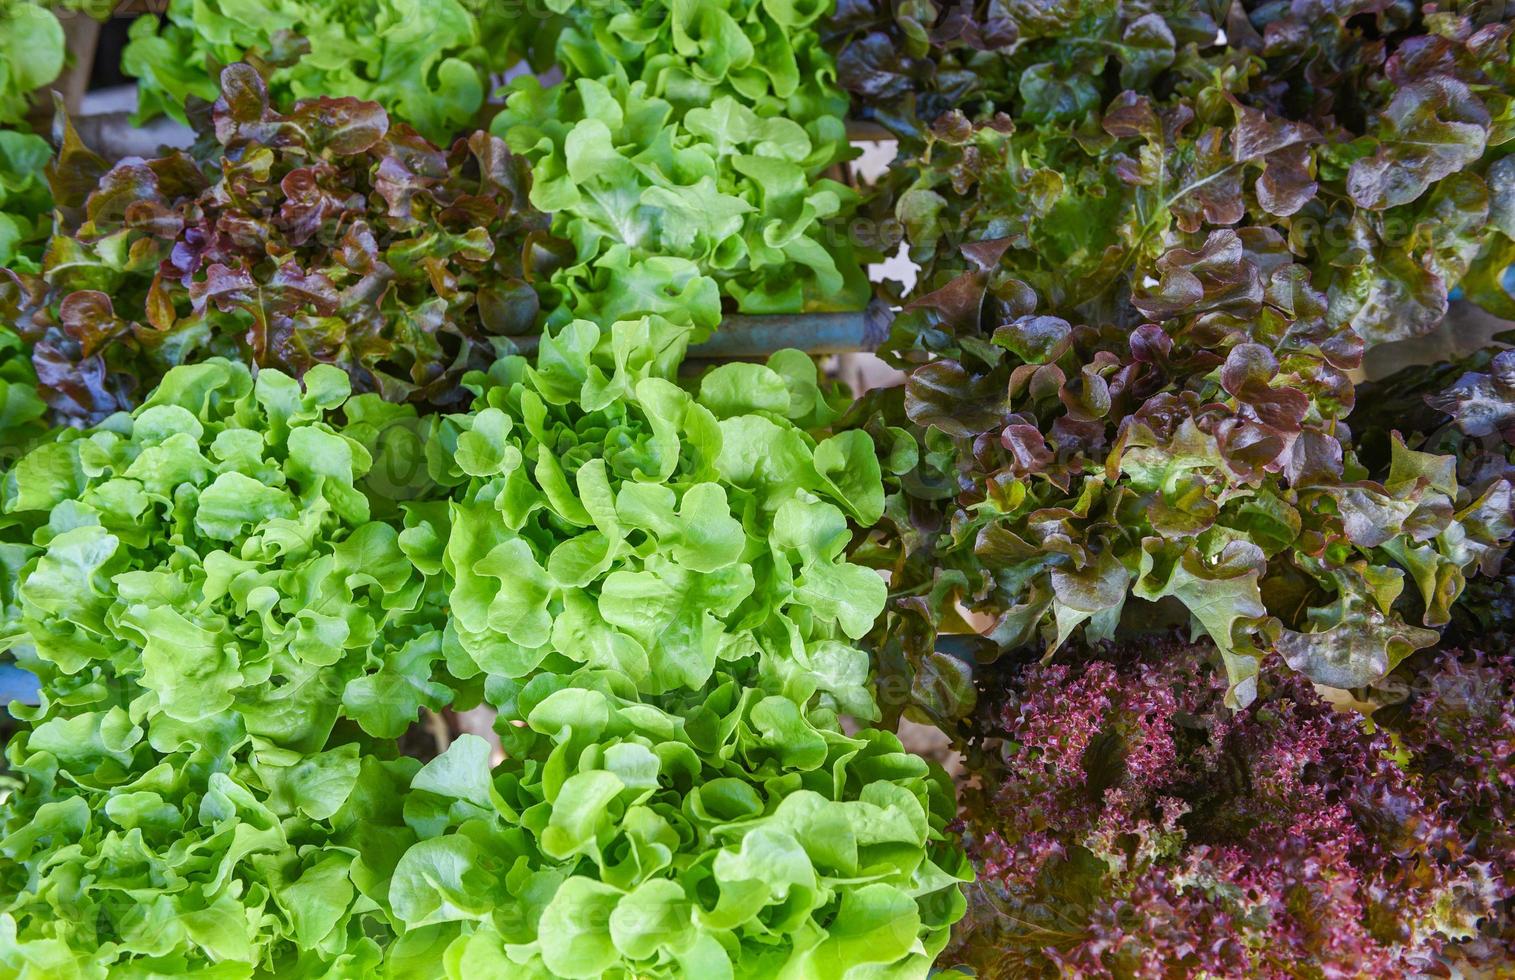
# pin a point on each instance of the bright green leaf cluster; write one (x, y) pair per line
(25, 201)
(236, 607)
(685, 148)
(226, 640)
(427, 62)
(239, 597)
(728, 837)
(608, 518)
(21, 409)
(31, 54)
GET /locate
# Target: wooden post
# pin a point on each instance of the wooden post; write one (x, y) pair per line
(867, 131)
(82, 34)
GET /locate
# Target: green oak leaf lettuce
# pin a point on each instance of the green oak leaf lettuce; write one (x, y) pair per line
(25, 202)
(427, 62)
(686, 146)
(725, 836)
(32, 54)
(241, 585)
(22, 411)
(607, 518)
(228, 644)
(236, 605)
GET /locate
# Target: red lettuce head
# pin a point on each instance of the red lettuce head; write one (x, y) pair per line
(1127, 823)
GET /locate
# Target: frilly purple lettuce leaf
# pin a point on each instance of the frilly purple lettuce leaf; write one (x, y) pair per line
(1126, 822)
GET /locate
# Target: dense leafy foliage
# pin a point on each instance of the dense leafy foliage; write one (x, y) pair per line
(222, 697)
(1372, 138)
(427, 62)
(359, 429)
(31, 55)
(22, 411)
(1131, 825)
(25, 201)
(1481, 401)
(25, 217)
(1202, 456)
(228, 645)
(325, 235)
(605, 517)
(1456, 734)
(683, 156)
(1459, 408)
(729, 836)
(1148, 273)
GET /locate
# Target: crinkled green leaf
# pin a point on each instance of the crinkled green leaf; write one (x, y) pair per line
(638, 538)
(215, 621)
(691, 137)
(841, 862)
(427, 63)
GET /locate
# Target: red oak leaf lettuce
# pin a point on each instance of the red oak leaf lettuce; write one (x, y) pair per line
(1373, 137)
(325, 235)
(1196, 456)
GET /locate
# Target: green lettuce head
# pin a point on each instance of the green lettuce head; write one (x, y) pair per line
(427, 62)
(687, 146)
(25, 202)
(605, 517)
(32, 54)
(228, 645)
(725, 837)
(236, 606)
